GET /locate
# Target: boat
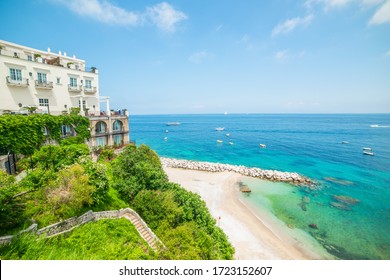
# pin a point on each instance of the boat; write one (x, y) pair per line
(166, 131)
(219, 141)
(262, 145)
(367, 149)
(227, 134)
(374, 125)
(173, 123)
(231, 143)
(345, 142)
(220, 128)
(165, 138)
(370, 153)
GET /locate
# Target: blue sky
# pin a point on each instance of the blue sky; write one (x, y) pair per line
(309, 56)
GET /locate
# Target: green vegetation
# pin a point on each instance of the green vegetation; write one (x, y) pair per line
(101, 240)
(170, 211)
(62, 181)
(25, 134)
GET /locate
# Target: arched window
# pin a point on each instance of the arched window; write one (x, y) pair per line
(117, 126)
(100, 128)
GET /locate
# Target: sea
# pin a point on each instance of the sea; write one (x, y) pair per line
(347, 213)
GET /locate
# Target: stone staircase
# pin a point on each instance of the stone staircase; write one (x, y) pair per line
(143, 230)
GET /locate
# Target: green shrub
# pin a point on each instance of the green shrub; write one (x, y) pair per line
(70, 192)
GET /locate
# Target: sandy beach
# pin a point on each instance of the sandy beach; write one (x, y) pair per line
(253, 236)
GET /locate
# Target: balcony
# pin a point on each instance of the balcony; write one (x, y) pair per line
(43, 85)
(49, 59)
(72, 88)
(17, 83)
(90, 90)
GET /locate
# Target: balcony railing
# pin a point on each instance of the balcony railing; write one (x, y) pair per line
(91, 90)
(72, 88)
(101, 132)
(43, 85)
(52, 59)
(17, 83)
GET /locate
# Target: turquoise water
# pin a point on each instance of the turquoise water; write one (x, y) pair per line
(307, 144)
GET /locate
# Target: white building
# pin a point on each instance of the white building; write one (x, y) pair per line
(52, 82)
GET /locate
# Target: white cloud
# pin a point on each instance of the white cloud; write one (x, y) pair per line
(382, 15)
(199, 57)
(281, 55)
(103, 11)
(218, 27)
(334, 4)
(290, 24)
(163, 15)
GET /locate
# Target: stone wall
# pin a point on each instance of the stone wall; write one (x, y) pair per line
(71, 223)
(272, 175)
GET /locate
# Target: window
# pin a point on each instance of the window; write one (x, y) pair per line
(44, 102)
(100, 127)
(118, 139)
(58, 80)
(88, 84)
(45, 131)
(101, 141)
(117, 125)
(84, 105)
(29, 57)
(15, 74)
(65, 130)
(73, 82)
(42, 78)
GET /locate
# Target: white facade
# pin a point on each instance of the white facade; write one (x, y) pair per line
(52, 82)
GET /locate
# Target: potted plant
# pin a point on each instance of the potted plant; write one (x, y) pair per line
(31, 109)
(38, 57)
(75, 111)
(70, 65)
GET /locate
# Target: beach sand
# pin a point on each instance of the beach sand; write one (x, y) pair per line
(252, 235)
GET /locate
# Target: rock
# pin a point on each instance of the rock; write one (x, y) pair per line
(346, 199)
(314, 226)
(339, 206)
(272, 175)
(245, 189)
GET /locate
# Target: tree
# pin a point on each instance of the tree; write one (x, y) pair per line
(11, 205)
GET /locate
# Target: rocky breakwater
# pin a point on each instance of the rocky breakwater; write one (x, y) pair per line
(272, 175)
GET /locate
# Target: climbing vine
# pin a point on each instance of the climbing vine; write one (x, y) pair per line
(25, 134)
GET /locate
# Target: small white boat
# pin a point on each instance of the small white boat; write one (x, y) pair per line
(369, 153)
(262, 146)
(345, 142)
(374, 125)
(166, 131)
(220, 128)
(173, 123)
(219, 141)
(165, 138)
(367, 149)
(227, 134)
(231, 143)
